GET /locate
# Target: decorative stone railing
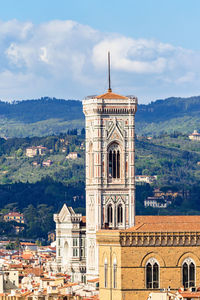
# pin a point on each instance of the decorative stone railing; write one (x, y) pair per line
(159, 239)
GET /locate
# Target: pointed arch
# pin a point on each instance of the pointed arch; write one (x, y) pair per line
(188, 272)
(152, 274)
(114, 154)
(120, 218)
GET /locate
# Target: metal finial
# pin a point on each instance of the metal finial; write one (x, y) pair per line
(109, 82)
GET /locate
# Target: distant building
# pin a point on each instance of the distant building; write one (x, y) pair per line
(9, 280)
(168, 193)
(156, 202)
(145, 178)
(47, 163)
(71, 243)
(195, 136)
(14, 216)
(72, 155)
(35, 163)
(35, 150)
(31, 151)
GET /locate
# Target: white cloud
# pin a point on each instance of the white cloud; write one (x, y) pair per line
(67, 59)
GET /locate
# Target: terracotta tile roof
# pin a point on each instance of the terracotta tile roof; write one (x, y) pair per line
(27, 256)
(93, 280)
(27, 244)
(15, 266)
(35, 271)
(110, 95)
(14, 214)
(190, 295)
(166, 223)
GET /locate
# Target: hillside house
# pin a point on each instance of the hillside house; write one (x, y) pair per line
(157, 202)
(14, 216)
(35, 150)
(47, 163)
(145, 178)
(195, 136)
(72, 155)
(169, 193)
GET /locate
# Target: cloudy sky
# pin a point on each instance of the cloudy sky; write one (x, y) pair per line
(59, 48)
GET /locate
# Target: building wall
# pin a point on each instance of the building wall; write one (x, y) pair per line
(131, 267)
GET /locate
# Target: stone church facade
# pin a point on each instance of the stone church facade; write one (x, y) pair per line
(70, 244)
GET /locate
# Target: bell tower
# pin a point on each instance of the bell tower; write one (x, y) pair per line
(110, 166)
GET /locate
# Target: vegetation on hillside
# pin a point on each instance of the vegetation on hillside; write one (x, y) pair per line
(47, 116)
(40, 191)
(26, 185)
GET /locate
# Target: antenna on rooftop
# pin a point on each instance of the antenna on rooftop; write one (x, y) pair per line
(109, 82)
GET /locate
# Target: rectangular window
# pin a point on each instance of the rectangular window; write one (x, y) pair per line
(75, 252)
(75, 242)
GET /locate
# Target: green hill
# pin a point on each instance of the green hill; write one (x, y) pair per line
(169, 115)
(48, 116)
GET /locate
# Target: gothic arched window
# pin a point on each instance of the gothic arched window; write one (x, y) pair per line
(119, 214)
(188, 273)
(114, 161)
(110, 214)
(105, 273)
(115, 274)
(152, 274)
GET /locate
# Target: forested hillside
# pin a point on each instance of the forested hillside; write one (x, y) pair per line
(39, 185)
(38, 190)
(48, 116)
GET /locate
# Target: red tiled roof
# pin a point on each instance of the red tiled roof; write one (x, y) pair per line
(27, 244)
(110, 95)
(190, 295)
(14, 214)
(166, 223)
(93, 280)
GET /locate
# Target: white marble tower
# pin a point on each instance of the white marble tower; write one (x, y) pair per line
(110, 167)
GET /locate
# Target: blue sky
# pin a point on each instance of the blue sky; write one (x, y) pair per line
(59, 48)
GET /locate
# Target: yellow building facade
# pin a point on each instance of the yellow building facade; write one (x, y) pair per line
(159, 252)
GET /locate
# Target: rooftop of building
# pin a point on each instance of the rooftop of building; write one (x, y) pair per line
(14, 214)
(165, 223)
(111, 95)
(159, 224)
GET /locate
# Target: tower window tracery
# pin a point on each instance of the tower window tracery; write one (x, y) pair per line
(152, 274)
(114, 163)
(110, 214)
(115, 274)
(120, 214)
(188, 273)
(105, 273)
